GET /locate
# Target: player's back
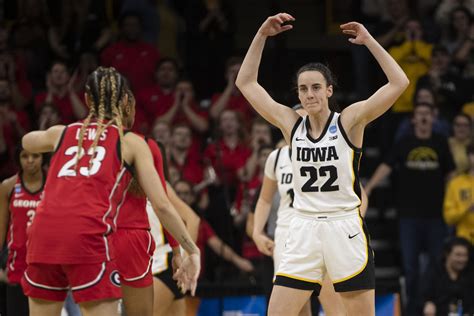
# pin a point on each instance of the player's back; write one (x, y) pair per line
(80, 201)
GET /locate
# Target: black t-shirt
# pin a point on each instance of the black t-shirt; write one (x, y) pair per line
(420, 167)
(444, 292)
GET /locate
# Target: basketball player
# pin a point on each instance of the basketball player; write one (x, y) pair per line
(19, 196)
(279, 177)
(168, 299)
(326, 235)
(133, 241)
(68, 246)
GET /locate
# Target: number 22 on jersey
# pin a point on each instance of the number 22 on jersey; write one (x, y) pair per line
(68, 169)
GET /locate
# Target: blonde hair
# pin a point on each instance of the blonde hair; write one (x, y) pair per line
(105, 88)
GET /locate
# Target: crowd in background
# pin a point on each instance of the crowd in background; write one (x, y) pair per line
(180, 60)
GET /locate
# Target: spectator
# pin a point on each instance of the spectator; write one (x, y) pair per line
(459, 40)
(260, 135)
(226, 155)
(29, 36)
(210, 27)
(391, 32)
(149, 16)
(207, 236)
(155, 100)
(88, 62)
(440, 125)
(446, 7)
(161, 133)
(181, 157)
(80, 26)
(60, 91)
(13, 125)
(449, 285)
(231, 98)
(130, 55)
(246, 195)
(423, 164)
(186, 110)
(48, 116)
(13, 69)
(413, 55)
(462, 127)
(459, 201)
(445, 82)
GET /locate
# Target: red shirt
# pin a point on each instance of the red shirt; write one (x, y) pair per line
(22, 208)
(192, 170)
(227, 161)
(248, 191)
(137, 61)
(76, 215)
(239, 104)
(21, 78)
(154, 101)
(63, 103)
(205, 233)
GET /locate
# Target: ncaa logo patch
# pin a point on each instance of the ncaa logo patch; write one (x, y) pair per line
(17, 188)
(332, 129)
(115, 278)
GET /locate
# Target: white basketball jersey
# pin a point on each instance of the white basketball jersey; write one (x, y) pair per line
(278, 168)
(326, 170)
(160, 256)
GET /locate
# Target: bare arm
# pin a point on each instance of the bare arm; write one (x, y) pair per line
(365, 202)
(264, 244)
(139, 155)
(221, 102)
(222, 249)
(43, 141)
(197, 122)
(355, 117)
(187, 214)
(277, 114)
(78, 107)
(382, 171)
(5, 188)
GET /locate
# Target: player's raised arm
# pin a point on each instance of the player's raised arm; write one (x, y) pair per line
(43, 141)
(362, 113)
(275, 113)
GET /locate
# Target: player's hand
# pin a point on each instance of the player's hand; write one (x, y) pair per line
(187, 275)
(273, 24)
(360, 33)
(264, 244)
(176, 261)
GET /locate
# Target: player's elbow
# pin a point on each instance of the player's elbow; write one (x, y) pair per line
(403, 82)
(27, 142)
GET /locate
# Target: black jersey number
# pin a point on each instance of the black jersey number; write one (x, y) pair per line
(291, 193)
(324, 171)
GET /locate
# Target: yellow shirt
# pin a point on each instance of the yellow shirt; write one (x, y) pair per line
(458, 150)
(457, 201)
(414, 58)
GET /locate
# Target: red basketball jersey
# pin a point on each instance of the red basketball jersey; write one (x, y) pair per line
(132, 214)
(22, 208)
(76, 215)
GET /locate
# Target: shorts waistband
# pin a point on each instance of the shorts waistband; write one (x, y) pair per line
(327, 216)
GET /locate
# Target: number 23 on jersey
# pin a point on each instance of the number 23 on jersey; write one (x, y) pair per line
(69, 170)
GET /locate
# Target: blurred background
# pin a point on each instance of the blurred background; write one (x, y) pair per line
(181, 58)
